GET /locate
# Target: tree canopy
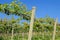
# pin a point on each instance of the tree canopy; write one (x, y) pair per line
(16, 9)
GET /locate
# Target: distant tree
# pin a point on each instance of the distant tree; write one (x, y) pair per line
(6, 25)
(44, 24)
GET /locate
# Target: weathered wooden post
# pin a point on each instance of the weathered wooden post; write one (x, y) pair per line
(12, 33)
(54, 32)
(31, 24)
(23, 36)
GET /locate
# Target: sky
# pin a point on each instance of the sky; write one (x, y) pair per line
(43, 7)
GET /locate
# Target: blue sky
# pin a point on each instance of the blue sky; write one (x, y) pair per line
(43, 7)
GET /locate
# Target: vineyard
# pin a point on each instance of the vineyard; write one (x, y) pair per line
(26, 26)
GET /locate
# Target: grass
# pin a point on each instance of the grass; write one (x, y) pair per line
(36, 36)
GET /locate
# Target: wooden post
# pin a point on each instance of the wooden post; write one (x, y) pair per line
(31, 24)
(54, 32)
(43, 32)
(12, 33)
(23, 36)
